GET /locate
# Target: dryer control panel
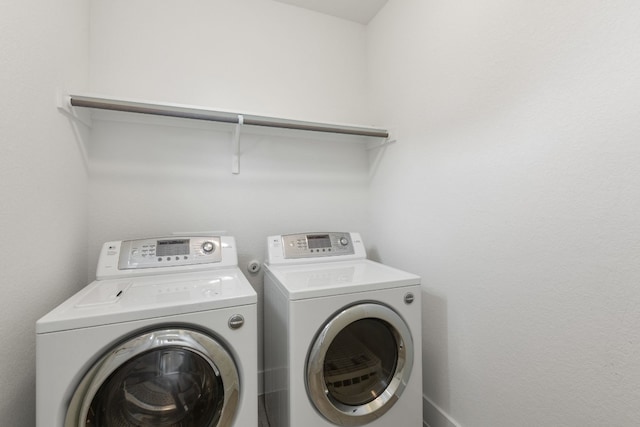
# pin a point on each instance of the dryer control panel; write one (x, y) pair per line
(172, 254)
(316, 246)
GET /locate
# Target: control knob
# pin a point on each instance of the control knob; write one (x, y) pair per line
(208, 247)
(344, 241)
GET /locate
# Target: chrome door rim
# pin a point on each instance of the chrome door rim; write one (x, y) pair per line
(208, 348)
(348, 415)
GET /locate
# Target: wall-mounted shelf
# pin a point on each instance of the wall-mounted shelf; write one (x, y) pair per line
(198, 113)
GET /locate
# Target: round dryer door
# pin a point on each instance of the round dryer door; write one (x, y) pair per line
(170, 377)
(359, 364)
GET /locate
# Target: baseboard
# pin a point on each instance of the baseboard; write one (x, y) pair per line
(434, 416)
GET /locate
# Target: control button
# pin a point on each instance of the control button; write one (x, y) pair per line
(208, 247)
(168, 258)
(236, 321)
(159, 259)
(344, 241)
(177, 258)
(409, 298)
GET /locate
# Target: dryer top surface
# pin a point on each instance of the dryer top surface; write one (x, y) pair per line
(305, 281)
(111, 301)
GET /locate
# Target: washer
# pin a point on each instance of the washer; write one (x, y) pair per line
(166, 336)
(342, 335)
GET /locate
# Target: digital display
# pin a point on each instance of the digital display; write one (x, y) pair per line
(319, 241)
(172, 247)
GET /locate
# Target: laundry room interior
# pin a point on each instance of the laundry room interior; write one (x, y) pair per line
(509, 181)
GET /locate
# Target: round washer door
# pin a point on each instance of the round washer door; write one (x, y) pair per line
(359, 364)
(169, 377)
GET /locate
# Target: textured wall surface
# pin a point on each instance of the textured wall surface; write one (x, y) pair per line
(514, 193)
(43, 183)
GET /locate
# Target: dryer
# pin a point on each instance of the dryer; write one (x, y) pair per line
(342, 337)
(166, 336)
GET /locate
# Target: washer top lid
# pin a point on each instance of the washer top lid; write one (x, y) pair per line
(334, 278)
(104, 302)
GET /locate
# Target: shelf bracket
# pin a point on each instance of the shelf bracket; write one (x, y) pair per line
(384, 143)
(391, 139)
(235, 146)
(63, 102)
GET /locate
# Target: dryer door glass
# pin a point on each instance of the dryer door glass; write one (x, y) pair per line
(163, 378)
(359, 364)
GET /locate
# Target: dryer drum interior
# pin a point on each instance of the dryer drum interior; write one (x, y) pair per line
(359, 364)
(167, 378)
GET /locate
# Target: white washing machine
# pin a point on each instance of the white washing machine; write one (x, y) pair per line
(166, 336)
(342, 335)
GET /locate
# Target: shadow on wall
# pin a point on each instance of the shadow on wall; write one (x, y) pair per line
(435, 357)
(435, 361)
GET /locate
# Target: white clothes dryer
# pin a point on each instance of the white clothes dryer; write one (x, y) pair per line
(166, 336)
(342, 335)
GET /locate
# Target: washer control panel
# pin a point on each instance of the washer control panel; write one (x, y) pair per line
(169, 252)
(309, 245)
(166, 255)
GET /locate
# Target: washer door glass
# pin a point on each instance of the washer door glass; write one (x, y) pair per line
(359, 364)
(167, 387)
(168, 378)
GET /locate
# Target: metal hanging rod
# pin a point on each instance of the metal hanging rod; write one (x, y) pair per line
(195, 113)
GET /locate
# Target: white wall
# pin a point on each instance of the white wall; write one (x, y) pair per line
(157, 176)
(247, 56)
(43, 184)
(514, 192)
